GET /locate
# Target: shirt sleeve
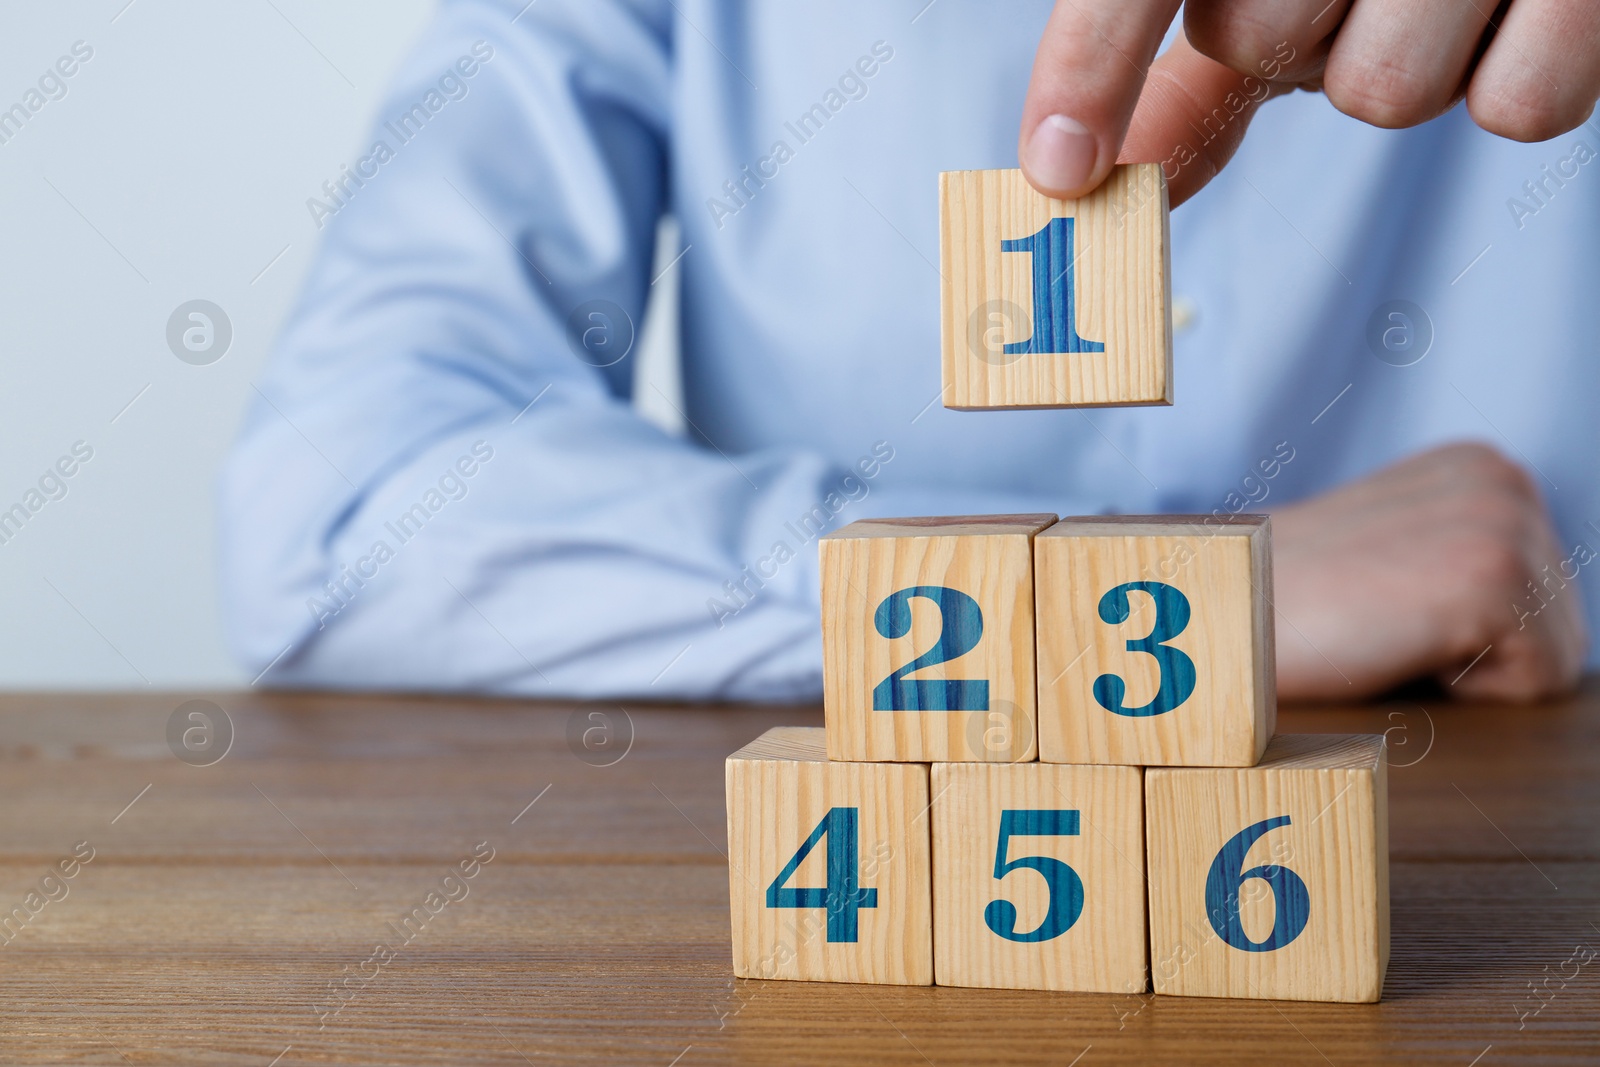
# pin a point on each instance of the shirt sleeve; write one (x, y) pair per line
(441, 483)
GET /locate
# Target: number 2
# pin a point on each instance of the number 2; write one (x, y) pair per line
(1177, 669)
(843, 895)
(961, 626)
(1066, 888)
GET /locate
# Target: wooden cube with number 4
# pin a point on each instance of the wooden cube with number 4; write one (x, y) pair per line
(927, 638)
(1272, 881)
(1054, 303)
(1038, 876)
(1155, 640)
(828, 865)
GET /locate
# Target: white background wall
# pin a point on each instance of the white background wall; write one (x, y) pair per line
(175, 168)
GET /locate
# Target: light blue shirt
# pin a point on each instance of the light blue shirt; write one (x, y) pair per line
(443, 489)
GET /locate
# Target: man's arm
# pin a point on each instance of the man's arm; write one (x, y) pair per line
(1445, 565)
(443, 483)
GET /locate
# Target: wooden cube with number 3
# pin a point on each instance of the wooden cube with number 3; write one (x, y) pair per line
(1155, 640)
(1054, 303)
(828, 864)
(1038, 876)
(927, 638)
(1272, 881)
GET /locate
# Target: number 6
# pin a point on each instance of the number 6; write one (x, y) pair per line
(1290, 898)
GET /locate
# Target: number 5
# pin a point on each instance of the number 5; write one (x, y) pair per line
(1066, 888)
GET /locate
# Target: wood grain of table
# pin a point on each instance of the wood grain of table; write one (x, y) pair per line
(224, 902)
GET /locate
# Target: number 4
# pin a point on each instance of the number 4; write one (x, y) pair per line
(843, 895)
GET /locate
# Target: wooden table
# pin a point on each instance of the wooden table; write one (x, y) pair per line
(224, 902)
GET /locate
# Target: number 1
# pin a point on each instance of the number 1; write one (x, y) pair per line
(1055, 327)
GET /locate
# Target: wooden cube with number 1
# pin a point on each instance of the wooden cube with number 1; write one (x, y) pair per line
(1272, 881)
(927, 638)
(1155, 640)
(1038, 876)
(828, 864)
(1054, 303)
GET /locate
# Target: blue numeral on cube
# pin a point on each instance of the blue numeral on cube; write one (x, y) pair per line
(1055, 327)
(843, 895)
(961, 626)
(1177, 669)
(1066, 888)
(1290, 897)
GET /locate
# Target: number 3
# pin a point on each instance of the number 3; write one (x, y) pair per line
(1066, 888)
(1177, 669)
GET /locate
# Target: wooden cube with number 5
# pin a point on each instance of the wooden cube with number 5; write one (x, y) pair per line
(1272, 881)
(828, 866)
(927, 638)
(1038, 876)
(1155, 640)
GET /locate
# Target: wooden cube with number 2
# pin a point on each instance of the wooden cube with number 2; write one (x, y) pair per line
(828, 864)
(927, 638)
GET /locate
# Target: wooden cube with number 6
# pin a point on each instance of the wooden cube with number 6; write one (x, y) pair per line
(1038, 876)
(927, 638)
(828, 865)
(1272, 881)
(1155, 640)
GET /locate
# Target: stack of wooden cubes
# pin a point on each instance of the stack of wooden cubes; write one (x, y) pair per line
(1049, 763)
(1049, 759)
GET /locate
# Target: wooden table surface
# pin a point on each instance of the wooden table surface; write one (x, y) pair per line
(224, 904)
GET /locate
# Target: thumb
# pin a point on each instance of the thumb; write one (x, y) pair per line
(1191, 116)
(1086, 79)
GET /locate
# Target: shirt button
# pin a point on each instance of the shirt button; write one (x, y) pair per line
(1184, 314)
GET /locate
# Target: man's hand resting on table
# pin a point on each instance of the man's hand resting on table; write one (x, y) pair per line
(1413, 572)
(1529, 71)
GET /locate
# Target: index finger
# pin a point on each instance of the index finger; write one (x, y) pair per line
(1087, 75)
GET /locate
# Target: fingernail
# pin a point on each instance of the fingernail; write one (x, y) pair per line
(1061, 153)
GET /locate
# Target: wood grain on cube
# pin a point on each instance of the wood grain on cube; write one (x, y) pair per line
(976, 704)
(780, 788)
(1089, 818)
(1327, 797)
(1221, 570)
(1119, 295)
